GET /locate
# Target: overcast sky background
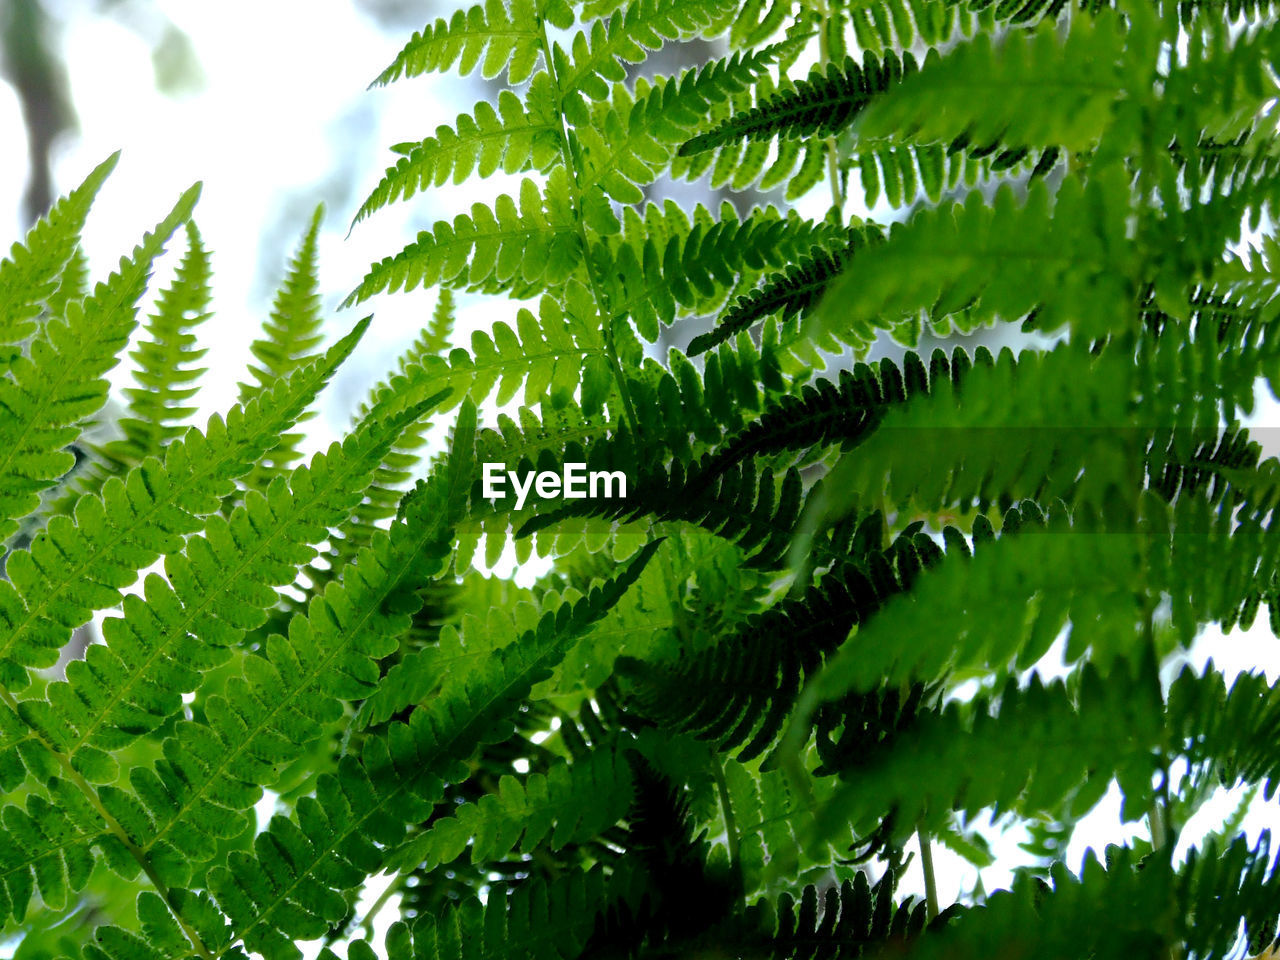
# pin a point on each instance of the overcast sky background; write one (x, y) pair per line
(282, 119)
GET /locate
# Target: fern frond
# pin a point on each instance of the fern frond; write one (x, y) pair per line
(215, 771)
(549, 354)
(791, 292)
(660, 615)
(30, 277)
(680, 413)
(495, 35)
(292, 332)
(761, 668)
(382, 497)
(669, 263)
(632, 137)
(571, 803)
(47, 847)
(1032, 90)
(292, 329)
(331, 847)
(516, 137)
(845, 412)
(1024, 427)
(821, 105)
(79, 564)
(162, 370)
(1068, 570)
(61, 381)
(1061, 258)
(637, 625)
(184, 790)
(899, 172)
(73, 285)
(164, 373)
(548, 921)
(757, 21)
(434, 339)
(521, 250)
(799, 163)
(220, 586)
(883, 25)
(585, 73)
(738, 504)
(1135, 904)
(1057, 748)
(854, 918)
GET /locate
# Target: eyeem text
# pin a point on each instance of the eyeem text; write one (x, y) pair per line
(574, 483)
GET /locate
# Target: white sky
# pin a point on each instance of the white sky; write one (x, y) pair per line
(284, 92)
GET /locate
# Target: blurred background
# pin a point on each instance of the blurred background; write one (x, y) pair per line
(266, 103)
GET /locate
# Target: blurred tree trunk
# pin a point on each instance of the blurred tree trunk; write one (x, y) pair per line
(39, 77)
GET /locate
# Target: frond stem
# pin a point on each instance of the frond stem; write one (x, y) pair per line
(833, 165)
(569, 152)
(730, 822)
(930, 881)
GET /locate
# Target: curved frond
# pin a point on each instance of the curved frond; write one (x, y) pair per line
(31, 275)
(593, 62)
(79, 563)
(495, 35)
(823, 104)
(504, 248)
(513, 138)
(164, 373)
(1059, 258)
(331, 847)
(1033, 89)
(571, 803)
(761, 668)
(61, 380)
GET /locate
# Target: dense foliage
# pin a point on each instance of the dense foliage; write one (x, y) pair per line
(727, 721)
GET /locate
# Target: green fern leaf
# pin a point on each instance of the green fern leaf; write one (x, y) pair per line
(738, 504)
(284, 701)
(632, 136)
(494, 35)
(331, 848)
(1023, 727)
(521, 249)
(549, 354)
(383, 494)
(514, 138)
(62, 379)
(1061, 259)
(594, 62)
(1035, 90)
(30, 277)
(164, 373)
(222, 584)
(845, 413)
(1069, 569)
(762, 667)
(571, 803)
(46, 845)
(546, 921)
(80, 563)
(292, 333)
(821, 105)
(791, 292)
(670, 264)
(855, 917)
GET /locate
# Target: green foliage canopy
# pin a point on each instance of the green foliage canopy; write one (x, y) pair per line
(800, 644)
